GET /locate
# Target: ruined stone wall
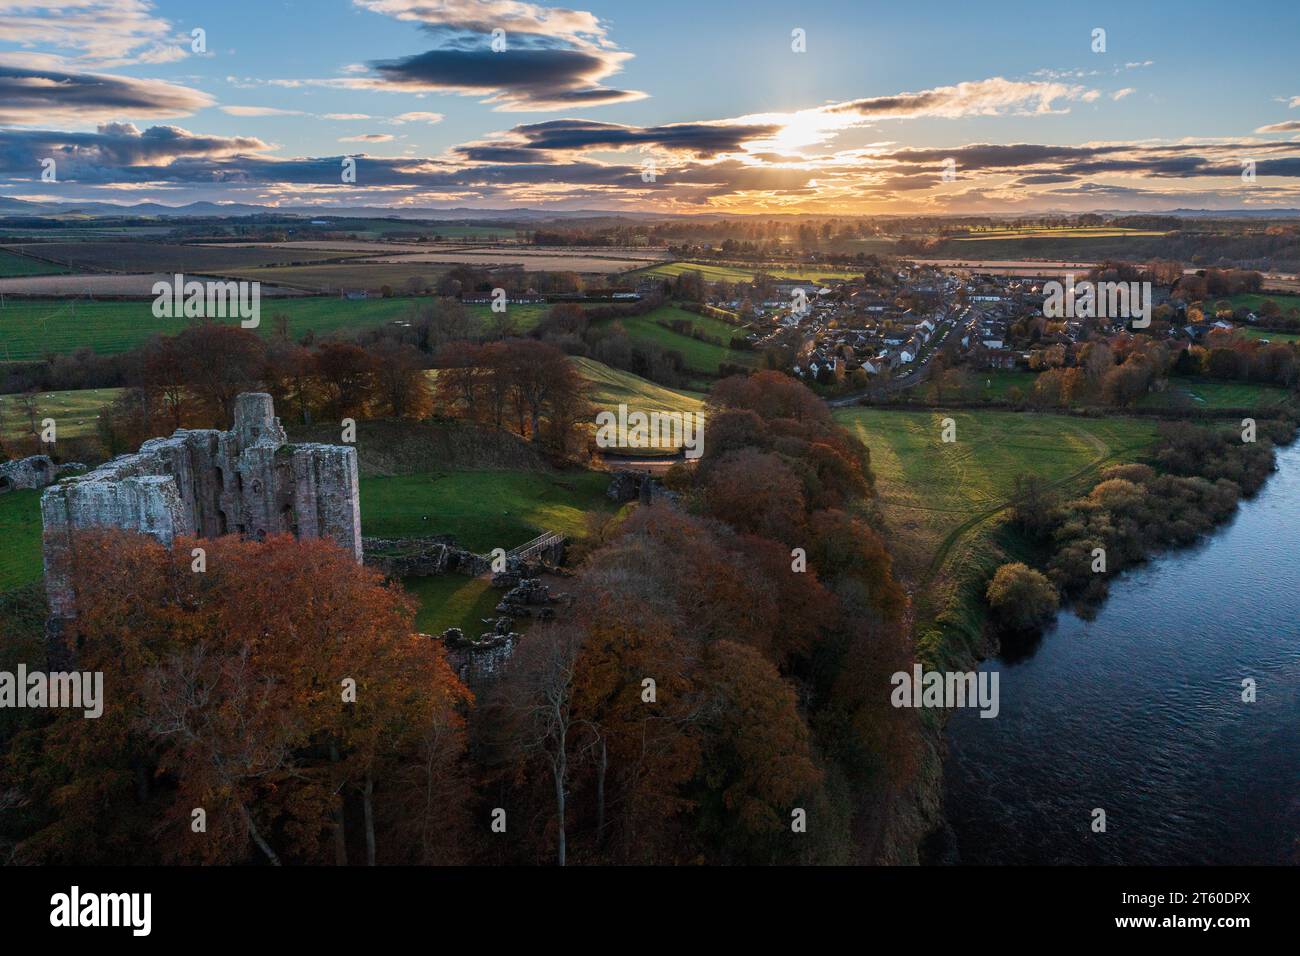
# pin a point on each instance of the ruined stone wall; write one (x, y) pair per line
(206, 483)
(34, 472)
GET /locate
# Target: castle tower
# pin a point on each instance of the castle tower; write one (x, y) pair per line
(205, 483)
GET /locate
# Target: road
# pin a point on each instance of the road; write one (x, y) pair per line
(903, 382)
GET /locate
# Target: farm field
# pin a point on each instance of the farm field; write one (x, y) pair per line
(702, 358)
(942, 502)
(74, 412)
(20, 531)
(33, 328)
(482, 510)
(14, 265)
(1055, 244)
(722, 273)
(93, 284)
(1079, 232)
(170, 257)
(337, 277)
(527, 257)
(336, 245)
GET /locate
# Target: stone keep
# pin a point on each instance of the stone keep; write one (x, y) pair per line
(206, 483)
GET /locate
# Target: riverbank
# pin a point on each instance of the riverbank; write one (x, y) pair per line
(949, 508)
(1175, 711)
(965, 648)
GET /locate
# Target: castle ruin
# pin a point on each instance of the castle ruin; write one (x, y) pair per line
(206, 483)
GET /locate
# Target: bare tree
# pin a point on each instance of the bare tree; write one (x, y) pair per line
(539, 704)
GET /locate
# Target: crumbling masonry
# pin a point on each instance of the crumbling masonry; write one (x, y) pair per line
(206, 483)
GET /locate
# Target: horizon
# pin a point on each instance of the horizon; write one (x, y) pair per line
(615, 108)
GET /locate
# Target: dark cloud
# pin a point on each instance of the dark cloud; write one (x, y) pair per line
(703, 140)
(30, 96)
(113, 151)
(543, 77)
(1044, 179)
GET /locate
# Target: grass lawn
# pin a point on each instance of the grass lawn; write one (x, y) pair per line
(34, 328)
(611, 387)
(995, 384)
(944, 503)
(703, 358)
(482, 510)
(1253, 300)
(13, 265)
(20, 538)
(453, 600)
(74, 412)
(1215, 395)
(1253, 333)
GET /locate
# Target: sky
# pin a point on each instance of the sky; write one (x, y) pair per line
(828, 108)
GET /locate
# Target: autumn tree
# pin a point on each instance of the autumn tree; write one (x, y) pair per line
(270, 690)
(346, 373)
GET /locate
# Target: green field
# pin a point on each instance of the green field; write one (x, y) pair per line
(74, 412)
(453, 600)
(702, 358)
(20, 538)
(482, 510)
(13, 265)
(1253, 300)
(34, 328)
(1213, 395)
(996, 385)
(611, 387)
(1253, 333)
(943, 503)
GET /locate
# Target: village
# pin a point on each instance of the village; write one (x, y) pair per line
(863, 335)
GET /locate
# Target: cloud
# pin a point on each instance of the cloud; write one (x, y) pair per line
(418, 117)
(259, 111)
(368, 138)
(1290, 126)
(551, 59)
(1043, 179)
(515, 80)
(114, 150)
(1120, 94)
(698, 139)
(31, 96)
(99, 33)
(484, 16)
(974, 98)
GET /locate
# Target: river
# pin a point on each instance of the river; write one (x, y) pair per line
(1139, 713)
